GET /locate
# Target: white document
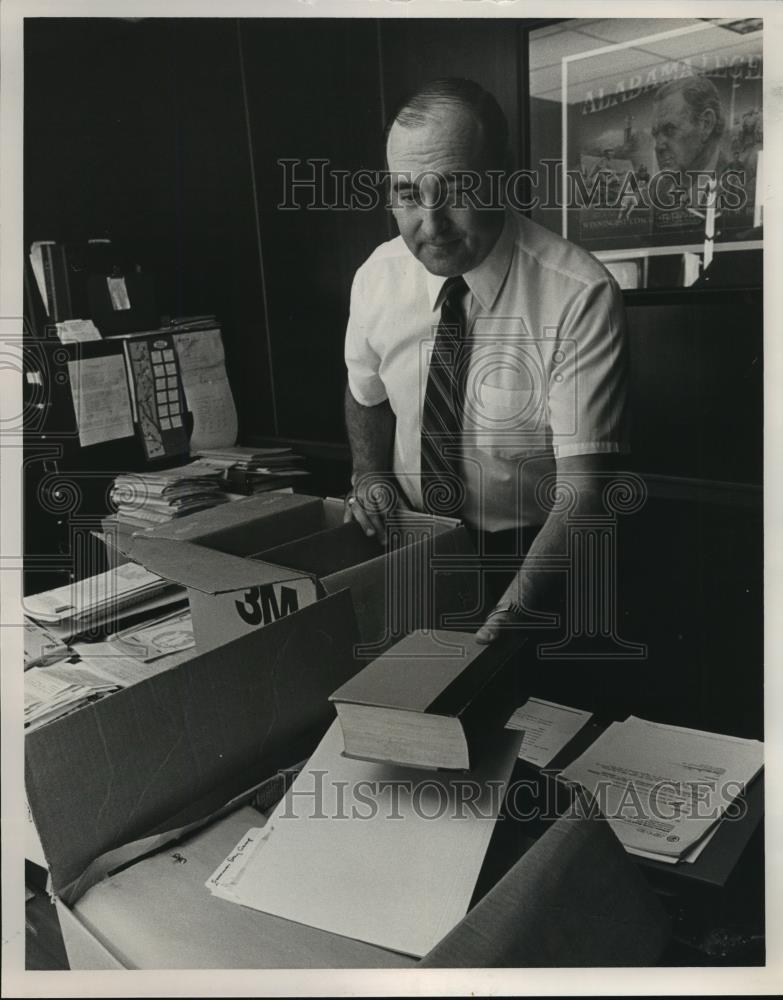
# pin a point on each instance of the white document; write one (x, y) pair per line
(104, 664)
(42, 686)
(663, 788)
(207, 390)
(151, 640)
(118, 293)
(377, 852)
(41, 647)
(547, 727)
(36, 262)
(77, 331)
(101, 399)
(77, 675)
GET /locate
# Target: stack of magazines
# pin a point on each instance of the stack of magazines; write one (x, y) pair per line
(255, 470)
(51, 692)
(144, 499)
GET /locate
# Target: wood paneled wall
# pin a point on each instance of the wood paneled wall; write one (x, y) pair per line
(166, 133)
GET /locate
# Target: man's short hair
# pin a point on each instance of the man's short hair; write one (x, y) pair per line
(700, 94)
(424, 105)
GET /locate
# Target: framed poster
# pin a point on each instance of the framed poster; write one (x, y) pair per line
(660, 134)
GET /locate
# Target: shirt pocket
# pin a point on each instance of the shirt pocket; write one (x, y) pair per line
(508, 422)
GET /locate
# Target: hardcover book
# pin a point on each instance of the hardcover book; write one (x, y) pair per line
(431, 700)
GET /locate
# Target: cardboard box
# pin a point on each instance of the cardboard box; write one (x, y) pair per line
(138, 797)
(170, 750)
(254, 561)
(572, 899)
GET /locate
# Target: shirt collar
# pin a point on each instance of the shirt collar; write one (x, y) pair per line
(485, 280)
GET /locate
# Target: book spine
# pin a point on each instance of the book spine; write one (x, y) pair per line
(492, 707)
(454, 698)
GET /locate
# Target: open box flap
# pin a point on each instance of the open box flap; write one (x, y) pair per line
(116, 770)
(334, 510)
(246, 525)
(205, 569)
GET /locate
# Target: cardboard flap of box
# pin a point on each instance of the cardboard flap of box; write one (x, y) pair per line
(120, 768)
(574, 898)
(246, 525)
(205, 569)
(334, 510)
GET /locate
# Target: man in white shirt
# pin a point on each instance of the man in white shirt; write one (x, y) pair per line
(538, 359)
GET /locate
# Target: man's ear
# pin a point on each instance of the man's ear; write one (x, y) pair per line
(707, 121)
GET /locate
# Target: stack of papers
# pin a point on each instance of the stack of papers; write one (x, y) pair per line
(377, 852)
(250, 459)
(664, 789)
(51, 692)
(255, 470)
(144, 499)
(77, 607)
(41, 647)
(94, 671)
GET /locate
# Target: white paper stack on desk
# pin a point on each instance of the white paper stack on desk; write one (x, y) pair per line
(51, 692)
(54, 691)
(144, 499)
(75, 608)
(41, 647)
(664, 789)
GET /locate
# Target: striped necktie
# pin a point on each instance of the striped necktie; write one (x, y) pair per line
(441, 419)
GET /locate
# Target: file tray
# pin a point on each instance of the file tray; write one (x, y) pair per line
(117, 777)
(251, 562)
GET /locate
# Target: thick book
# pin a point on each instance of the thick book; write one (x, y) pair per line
(431, 700)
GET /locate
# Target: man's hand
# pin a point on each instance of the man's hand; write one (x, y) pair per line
(373, 497)
(499, 619)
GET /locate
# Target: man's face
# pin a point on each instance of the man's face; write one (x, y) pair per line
(679, 138)
(439, 222)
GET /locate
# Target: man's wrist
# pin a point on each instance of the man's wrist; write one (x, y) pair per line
(374, 491)
(367, 476)
(507, 605)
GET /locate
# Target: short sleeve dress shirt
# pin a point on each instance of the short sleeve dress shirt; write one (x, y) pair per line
(547, 374)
